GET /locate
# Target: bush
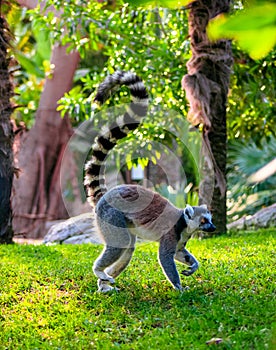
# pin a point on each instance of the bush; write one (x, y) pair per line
(245, 160)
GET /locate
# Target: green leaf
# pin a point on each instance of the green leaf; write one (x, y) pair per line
(143, 162)
(29, 65)
(157, 3)
(254, 29)
(158, 154)
(43, 44)
(129, 162)
(60, 108)
(258, 46)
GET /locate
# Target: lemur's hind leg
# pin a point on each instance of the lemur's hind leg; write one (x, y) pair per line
(113, 227)
(120, 265)
(108, 257)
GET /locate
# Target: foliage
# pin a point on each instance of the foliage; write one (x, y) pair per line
(245, 160)
(162, 3)
(109, 38)
(49, 301)
(254, 28)
(32, 49)
(160, 58)
(179, 197)
(251, 102)
(102, 37)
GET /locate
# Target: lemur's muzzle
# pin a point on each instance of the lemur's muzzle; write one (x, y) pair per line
(211, 228)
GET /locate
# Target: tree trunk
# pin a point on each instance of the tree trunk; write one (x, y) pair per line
(6, 137)
(206, 85)
(37, 190)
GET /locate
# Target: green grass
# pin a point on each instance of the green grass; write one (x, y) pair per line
(48, 298)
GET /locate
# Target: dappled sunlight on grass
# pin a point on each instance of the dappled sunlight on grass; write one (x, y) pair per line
(48, 298)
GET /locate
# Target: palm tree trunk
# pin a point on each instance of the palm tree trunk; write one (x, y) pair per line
(6, 137)
(206, 85)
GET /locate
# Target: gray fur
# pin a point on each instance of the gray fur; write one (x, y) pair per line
(129, 211)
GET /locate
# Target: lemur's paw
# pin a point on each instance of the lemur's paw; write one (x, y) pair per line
(104, 286)
(178, 287)
(187, 272)
(107, 288)
(190, 270)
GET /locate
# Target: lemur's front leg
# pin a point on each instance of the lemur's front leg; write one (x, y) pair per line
(185, 257)
(166, 258)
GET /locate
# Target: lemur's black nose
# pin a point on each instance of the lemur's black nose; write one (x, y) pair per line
(212, 228)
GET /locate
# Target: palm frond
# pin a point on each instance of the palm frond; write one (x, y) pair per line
(243, 161)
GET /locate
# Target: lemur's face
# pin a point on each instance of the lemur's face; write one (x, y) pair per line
(206, 224)
(200, 218)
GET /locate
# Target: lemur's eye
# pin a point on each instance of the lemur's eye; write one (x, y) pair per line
(203, 221)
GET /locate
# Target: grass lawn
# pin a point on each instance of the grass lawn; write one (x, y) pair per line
(48, 298)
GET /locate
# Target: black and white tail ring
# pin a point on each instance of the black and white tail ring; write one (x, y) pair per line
(110, 135)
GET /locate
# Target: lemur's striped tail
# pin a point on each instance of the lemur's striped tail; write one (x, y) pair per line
(108, 137)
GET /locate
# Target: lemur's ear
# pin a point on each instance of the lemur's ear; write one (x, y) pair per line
(189, 211)
(204, 206)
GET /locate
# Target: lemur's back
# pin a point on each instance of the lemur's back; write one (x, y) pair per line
(147, 213)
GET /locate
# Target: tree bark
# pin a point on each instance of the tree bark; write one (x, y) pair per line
(6, 137)
(206, 85)
(37, 190)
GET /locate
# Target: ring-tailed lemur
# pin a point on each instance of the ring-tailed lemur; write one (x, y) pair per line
(129, 211)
